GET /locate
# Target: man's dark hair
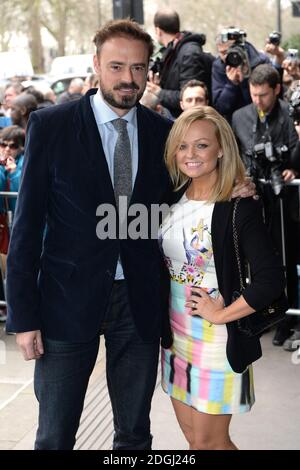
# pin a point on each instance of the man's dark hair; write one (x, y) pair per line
(27, 101)
(122, 28)
(36, 93)
(191, 84)
(14, 133)
(265, 73)
(167, 20)
(16, 86)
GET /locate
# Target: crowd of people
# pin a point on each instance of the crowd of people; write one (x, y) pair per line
(217, 121)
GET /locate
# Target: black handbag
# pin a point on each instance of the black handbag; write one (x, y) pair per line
(255, 323)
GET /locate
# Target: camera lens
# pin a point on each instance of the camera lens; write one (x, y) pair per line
(275, 41)
(234, 58)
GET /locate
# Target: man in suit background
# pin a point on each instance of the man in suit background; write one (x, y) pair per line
(65, 286)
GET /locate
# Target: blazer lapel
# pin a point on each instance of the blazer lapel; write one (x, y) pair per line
(89, 139)
(144, 157)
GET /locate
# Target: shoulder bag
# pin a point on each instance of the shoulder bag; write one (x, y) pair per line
(255, 323)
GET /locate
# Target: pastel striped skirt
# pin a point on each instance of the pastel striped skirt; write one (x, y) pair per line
(195, 370)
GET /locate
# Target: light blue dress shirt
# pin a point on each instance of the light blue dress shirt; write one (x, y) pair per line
(104, 115)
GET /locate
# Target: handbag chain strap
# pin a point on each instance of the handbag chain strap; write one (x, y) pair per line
(236, 243)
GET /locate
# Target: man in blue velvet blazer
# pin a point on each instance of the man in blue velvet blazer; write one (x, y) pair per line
(65, 286)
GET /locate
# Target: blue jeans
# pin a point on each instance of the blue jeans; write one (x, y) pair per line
(62, 375)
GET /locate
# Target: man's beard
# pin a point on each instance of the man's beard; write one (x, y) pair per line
(124, 102)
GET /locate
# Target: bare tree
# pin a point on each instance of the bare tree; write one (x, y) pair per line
(34, 32)
(72, 23)
(9, 10)
(56, 14)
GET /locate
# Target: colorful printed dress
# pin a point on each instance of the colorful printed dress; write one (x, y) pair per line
(195, 370)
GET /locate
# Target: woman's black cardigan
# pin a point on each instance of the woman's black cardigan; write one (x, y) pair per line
(267, 274)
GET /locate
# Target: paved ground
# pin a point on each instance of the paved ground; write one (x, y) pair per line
(272, 424)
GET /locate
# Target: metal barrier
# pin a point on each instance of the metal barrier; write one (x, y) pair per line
(295, 182)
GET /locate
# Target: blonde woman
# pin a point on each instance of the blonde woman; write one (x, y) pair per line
(207, 371)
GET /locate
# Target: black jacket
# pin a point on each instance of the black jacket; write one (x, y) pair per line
(184, 62)
(267, 273)
(268, 279)
(248, 131)
(60, 280)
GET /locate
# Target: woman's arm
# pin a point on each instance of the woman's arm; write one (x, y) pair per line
(267, 276)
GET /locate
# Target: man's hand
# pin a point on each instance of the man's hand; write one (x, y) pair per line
(153, 88)
(30, 344)
(245, 188)
(153, 77)
(292, 68)
(10, 165)
(288, 175)
(276, 51)
(234, 74)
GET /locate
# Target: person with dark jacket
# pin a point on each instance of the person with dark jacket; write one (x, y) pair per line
(266, 121)
(230, 88)
(183, 60)
(207, 371)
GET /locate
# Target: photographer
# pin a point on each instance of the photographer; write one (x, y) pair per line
(231, 70)
(276, 52)
(182, 60)
(291, 64)
(291, 73)
(270, 149)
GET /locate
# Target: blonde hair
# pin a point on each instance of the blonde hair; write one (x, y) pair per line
(230, 166)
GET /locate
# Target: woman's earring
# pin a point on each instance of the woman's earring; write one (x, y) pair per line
(220, 155)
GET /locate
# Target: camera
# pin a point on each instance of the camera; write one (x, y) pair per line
(156, 65)
(275, 38)
(292, 54)
(234, 34)
(236, 55)
(294, 105)
(266, 162)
